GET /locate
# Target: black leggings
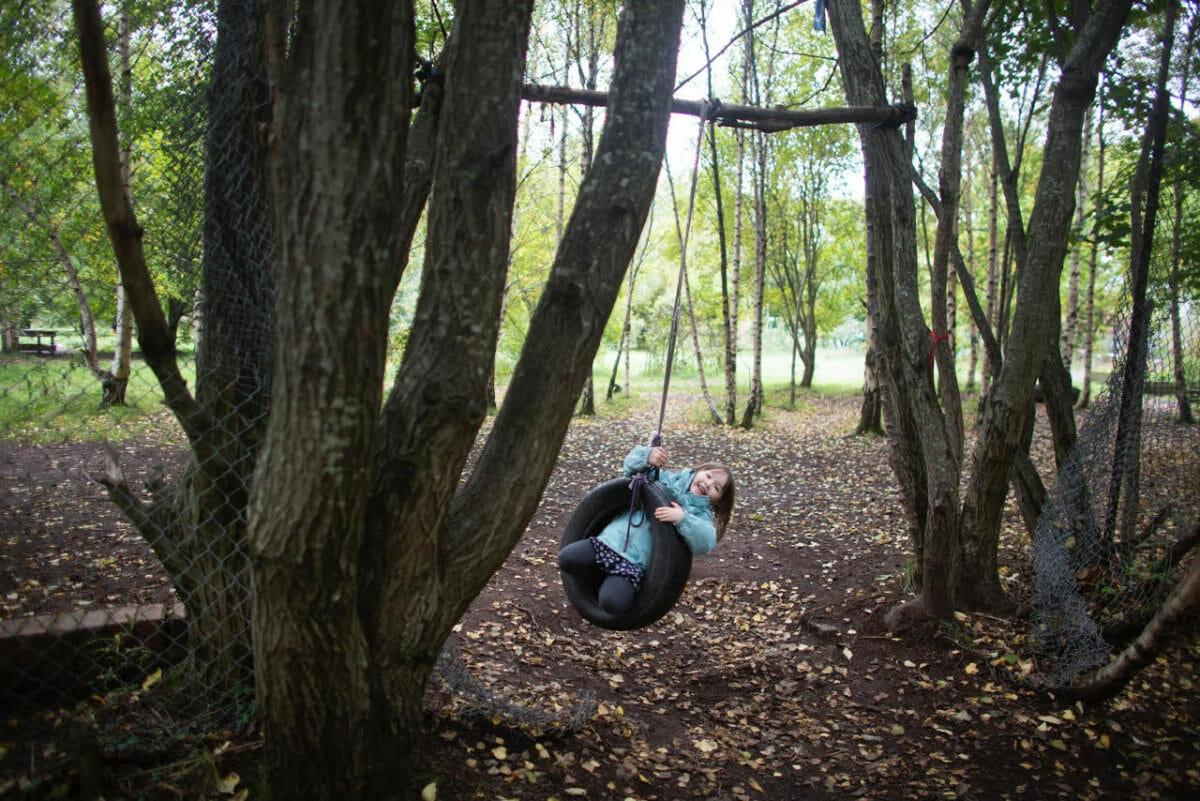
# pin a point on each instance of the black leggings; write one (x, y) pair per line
(616, 592)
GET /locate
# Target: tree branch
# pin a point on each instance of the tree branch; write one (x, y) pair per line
(154, 335)
(769, 120)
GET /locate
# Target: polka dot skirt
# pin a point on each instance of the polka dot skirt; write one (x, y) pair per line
(616, 565)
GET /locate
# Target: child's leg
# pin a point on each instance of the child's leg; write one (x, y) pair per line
(616, 594)
(578, 557)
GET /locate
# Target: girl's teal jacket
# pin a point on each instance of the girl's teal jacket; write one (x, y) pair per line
(696, 527)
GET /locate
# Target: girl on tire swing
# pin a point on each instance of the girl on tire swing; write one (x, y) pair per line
(701, 504)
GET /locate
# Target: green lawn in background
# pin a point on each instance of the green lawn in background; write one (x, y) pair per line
(58, 399)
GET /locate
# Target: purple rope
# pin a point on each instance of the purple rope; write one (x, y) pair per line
(635, 498)
(635, 506)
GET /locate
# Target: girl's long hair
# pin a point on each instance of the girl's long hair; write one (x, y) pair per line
(723, 508)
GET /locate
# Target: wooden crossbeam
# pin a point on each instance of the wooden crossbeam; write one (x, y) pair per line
(770, 120)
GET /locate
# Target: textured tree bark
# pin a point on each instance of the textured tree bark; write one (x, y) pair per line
(870, 415)
(367, 545)
(1182, 402)
(342, 102)
(196, 527)
(1008, 404)
(116, 379)
(922, 449)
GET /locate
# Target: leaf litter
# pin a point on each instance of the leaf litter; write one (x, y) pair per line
(774, 677)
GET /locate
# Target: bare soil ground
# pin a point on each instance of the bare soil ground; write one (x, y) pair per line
(773, 678)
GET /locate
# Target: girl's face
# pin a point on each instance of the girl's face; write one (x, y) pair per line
(710, 483)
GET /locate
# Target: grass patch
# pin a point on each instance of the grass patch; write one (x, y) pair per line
(58, 400)
(46, 400)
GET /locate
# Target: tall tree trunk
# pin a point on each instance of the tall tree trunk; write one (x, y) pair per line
(1071, 325)
(729, 283)
(735, 282)
(754, 398)
(1144, 201)
(1182, 402)
(921, 451)
(1008, 403)
(368, 544)
(587, 401)
(196, 526)
(1089, 302)
(993, 276)
(968, 204)
(116, 379)
(626, 342)
(1053, 375)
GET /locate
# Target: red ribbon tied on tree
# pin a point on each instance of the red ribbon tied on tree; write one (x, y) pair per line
(936, 339)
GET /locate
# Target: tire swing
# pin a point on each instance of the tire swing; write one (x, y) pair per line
(671, 558)
(670, 562)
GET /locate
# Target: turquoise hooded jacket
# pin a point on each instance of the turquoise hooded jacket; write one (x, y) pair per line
(697, 527)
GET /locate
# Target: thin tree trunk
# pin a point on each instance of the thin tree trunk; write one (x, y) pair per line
(714, 412)
(587, 402)
(626, 343)
(1008, 407)
(993, 277)
(920, 450)
(755, 397)
(729, 284)
(1175, 277)
(116, 379)
(1144, 200)
(731, 343)
(969, 231)
(1089, 303)
(1071, 325)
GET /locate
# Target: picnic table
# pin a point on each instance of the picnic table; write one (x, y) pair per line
(38, 333)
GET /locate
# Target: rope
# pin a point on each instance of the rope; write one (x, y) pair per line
(706, 112)
(640, 480)
(635, 506)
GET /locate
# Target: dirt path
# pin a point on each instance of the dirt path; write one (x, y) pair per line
(773, 678)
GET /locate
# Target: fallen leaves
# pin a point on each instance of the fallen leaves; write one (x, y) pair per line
(774, 676)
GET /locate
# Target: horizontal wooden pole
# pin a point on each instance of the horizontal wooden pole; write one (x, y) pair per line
(770, 120)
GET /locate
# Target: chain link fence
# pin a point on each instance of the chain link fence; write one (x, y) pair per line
(116, 539)
(1122, 517)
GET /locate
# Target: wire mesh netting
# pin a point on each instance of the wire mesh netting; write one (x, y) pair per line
(125, 560)
(1108, 545)
(123, 546)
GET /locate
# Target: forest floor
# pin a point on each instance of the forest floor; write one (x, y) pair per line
(774, 677)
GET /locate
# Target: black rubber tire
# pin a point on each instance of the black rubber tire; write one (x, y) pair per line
(670, 563)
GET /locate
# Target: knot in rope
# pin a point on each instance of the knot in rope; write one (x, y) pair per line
(635, 505)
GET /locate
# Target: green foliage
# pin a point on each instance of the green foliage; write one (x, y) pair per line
(58, 400)
(120, 660)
